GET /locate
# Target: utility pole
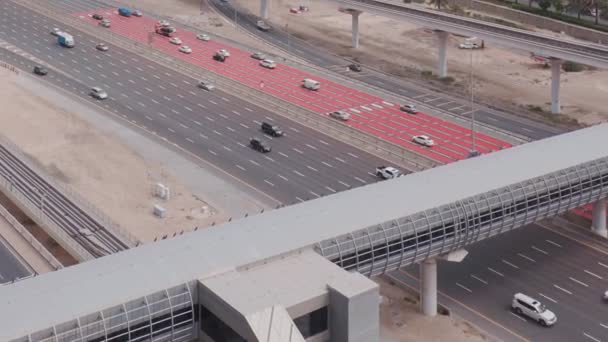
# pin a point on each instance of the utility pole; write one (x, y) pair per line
(473, 152)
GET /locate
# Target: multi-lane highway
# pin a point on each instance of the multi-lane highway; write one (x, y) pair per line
(214, 126)
(565, 275)
(279, 37)
(11, 267)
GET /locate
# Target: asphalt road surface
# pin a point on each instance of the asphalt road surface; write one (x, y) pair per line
(214, 126)
(564, 274)
(10, 267)
(279, 37)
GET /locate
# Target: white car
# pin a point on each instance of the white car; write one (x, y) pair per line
(185, 49)
(164, 23)
(175, 40)
(268, 63)
(606, 295)
(206, 85)
(202, 37)
(224, 52)
(55, 31)
(137, 13)
(423, 140)
(524, 305)
(98, 93)
(340, 115)
(469, 46)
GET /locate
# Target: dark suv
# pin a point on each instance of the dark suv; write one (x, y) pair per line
(38, 70)
(271, 130)
(259, 145)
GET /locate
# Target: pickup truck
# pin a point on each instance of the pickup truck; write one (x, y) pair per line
(387, 172)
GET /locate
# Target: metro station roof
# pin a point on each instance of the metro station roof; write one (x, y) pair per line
(38, 303)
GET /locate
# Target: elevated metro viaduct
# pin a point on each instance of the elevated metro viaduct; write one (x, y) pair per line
(298, 273)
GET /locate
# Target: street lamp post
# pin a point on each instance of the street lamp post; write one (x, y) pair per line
(473, 152)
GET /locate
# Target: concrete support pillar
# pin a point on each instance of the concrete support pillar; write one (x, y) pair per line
(355, 26)
(264, 9)
(599, 218)
(428, 287)
(556, 65)
(442, 67)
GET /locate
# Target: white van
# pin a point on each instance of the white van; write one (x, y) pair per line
(525, 305)
(311, 84)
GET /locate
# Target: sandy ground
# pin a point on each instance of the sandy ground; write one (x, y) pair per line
(401, 321)
(507, 78)
(98, 166)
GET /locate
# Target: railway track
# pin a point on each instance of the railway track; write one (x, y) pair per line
(79, 225)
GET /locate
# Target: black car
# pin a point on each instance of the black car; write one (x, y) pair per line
(259, 145)
(219, 58)
(272, 130)
(355, 67)
(97, 16)
(38, 70)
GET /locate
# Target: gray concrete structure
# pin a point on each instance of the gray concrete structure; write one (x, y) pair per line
(556, 66)
(227, 280)
(428, 287)
(599, 218)
(264, 9)
(442, 55)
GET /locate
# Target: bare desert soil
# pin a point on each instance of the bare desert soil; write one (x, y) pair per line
(100, 168)
(400, 320)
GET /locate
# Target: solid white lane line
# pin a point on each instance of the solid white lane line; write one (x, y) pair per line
(464, 287)
(554, 243)
(267, 182)
(240, 167)
(593, 274)
(539, 250)
(495, 272)
(563, 289)
(477, 278)
(518, 316)
(510, 264)
(526, 257)
(591, 337)
(548, 298)
(578, 281)
(327, 164)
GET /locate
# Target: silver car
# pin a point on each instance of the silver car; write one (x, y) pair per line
(206, 85)
(98, 93)
(340, 115)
